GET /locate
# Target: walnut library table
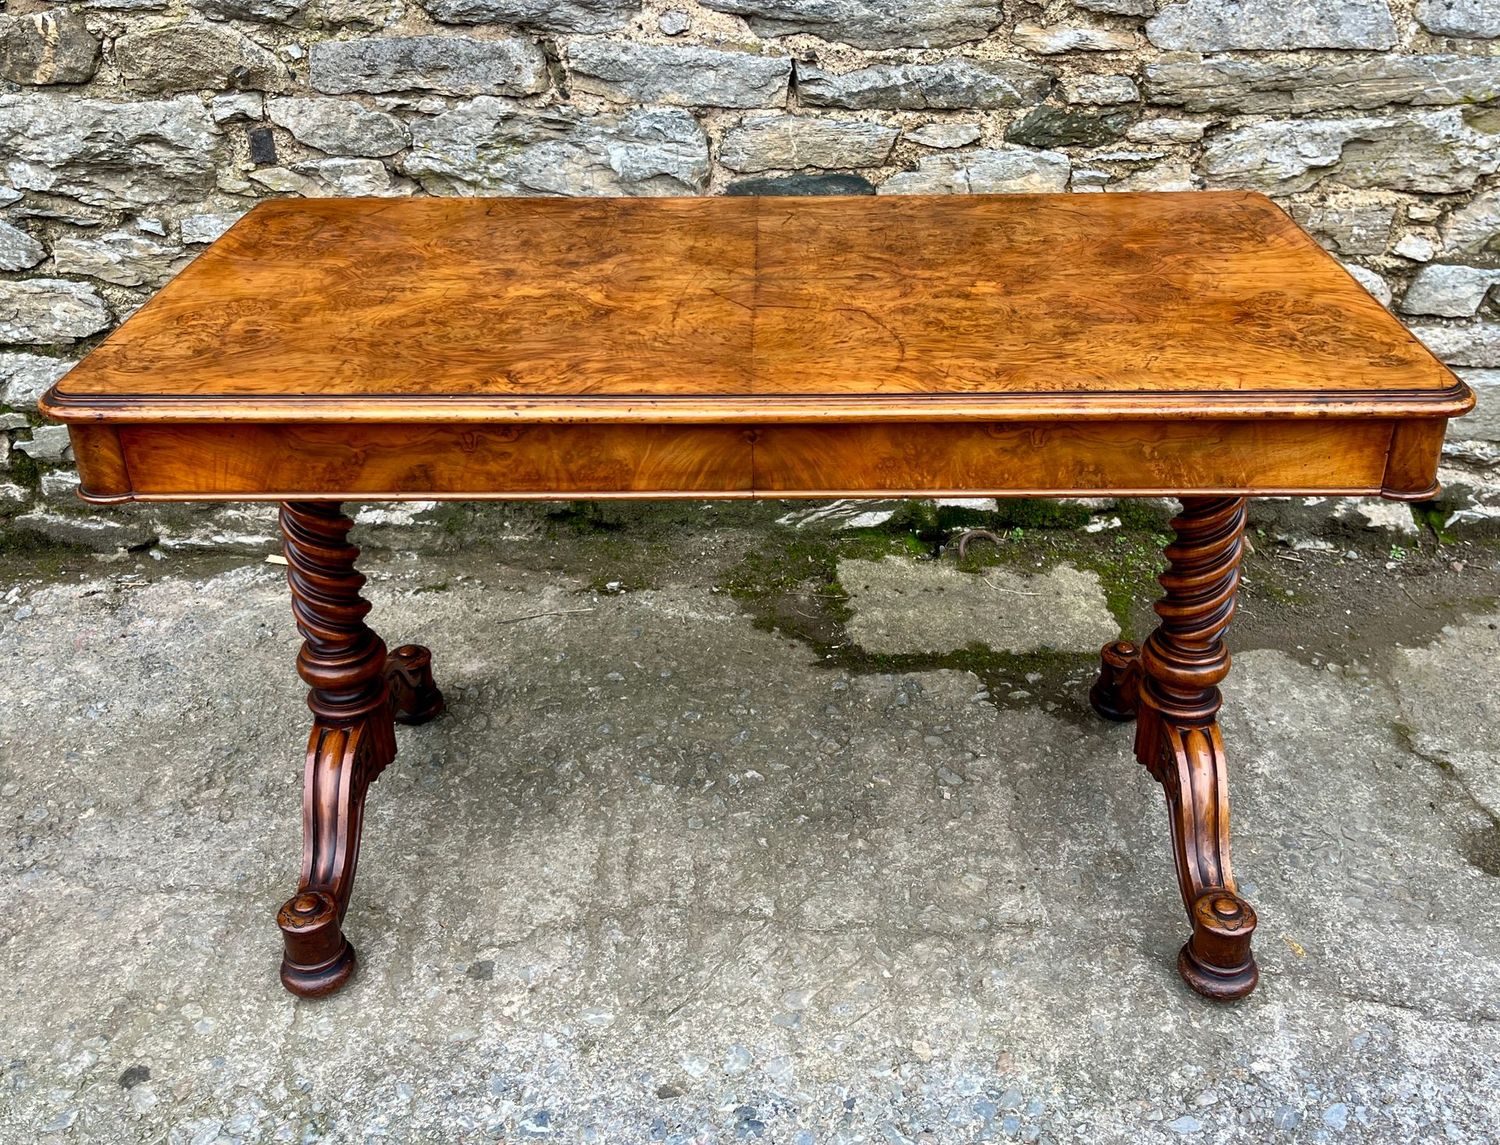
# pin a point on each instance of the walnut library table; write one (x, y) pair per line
(1195, 345)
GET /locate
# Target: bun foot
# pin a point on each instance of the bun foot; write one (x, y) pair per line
(1216, 961)
(1115, 693)
(415, 699)
(318, 958)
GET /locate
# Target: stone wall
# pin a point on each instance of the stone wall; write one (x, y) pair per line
(132, 132)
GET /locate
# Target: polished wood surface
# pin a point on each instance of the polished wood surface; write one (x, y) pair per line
(384, 462)
(357, 692)
(737, 347)
(1170, 686)
(736, 308)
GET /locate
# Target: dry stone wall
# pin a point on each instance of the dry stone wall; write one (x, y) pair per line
(133, 132)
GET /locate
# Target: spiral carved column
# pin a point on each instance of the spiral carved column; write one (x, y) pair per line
(356, 692)
(1172, 685)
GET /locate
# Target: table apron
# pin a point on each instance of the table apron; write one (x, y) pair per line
(380, 461)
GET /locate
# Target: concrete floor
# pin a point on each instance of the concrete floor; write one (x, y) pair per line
(672, 869)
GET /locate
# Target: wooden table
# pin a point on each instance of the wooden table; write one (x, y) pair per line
(1196, 345)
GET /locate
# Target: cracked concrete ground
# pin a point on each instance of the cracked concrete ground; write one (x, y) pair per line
(686, 862)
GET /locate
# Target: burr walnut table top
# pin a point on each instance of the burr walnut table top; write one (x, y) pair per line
(736, 346)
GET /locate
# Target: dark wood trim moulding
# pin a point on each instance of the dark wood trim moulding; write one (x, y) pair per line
(758, 494)
(754, 409)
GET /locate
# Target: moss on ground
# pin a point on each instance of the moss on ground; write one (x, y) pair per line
(789, 584)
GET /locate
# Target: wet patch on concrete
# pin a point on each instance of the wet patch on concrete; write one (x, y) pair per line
(900, 606)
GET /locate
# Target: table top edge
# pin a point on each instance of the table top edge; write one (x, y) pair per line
(1454, 400)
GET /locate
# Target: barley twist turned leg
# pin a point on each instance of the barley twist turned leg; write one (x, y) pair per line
(1171, 685)
(356, 691)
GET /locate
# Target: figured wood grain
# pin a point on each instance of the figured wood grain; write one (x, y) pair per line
(736, 309)
(1122, 457)
(275, 462)
(290, 462)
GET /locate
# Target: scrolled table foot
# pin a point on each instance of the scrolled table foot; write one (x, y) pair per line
(356, 691)
(1216, 961)
(1179, 741)
(317, 958)
(1116, 692)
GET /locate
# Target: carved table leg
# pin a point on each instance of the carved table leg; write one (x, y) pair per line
(356, 692)
(1171, 684)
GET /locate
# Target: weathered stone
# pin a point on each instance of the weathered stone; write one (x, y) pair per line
(1437, 151)
(1474, 229)
(238, 107)
(1230, 25)
(193, 55)
(1449, 290)
(543, 15)
(956, 83)
(42, 311)
(673, 22)
(99, 532)
(106, 154)
(1049, 127)
(491, 146)
(995, 171)
(359, 15)
(1471, 344)
(18, 250)
(259, 11)
(261, 143)
(1160, 131)
(24, 378)
(1379, 289)
(1174, 175)
(945, 135)
(1348, 229)
(453, 65)
(802, 185)
(47, 47)
(205, 228)
(871, 23)
(339, 126)
(337, 176)
(48, 443)
(1472, 19)
(686, 75)
(767, 142)
(1054, 39)
(285, 181)
(1119, 7)
(1442, 152)
(1483, 423)
(60, 485)
(1101, 90)
(1249, 85)
(1417, 247)
(121, 257)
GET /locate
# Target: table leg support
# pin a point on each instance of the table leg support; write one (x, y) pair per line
(1171, 684)
(356, 692)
